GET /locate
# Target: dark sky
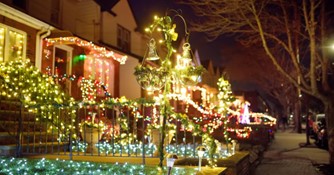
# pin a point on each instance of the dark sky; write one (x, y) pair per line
(145, 10)
(224, 52)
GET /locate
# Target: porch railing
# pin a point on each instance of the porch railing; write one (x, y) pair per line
(124, 132)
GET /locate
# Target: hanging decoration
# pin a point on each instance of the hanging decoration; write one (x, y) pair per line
(88, 90)
(158, 73)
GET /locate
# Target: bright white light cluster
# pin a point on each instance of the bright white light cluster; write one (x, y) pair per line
(18, 166)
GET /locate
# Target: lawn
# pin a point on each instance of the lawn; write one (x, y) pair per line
(21, 166)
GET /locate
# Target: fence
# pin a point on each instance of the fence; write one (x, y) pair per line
(100, 130)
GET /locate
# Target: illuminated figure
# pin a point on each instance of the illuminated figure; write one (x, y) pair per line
(244, 114)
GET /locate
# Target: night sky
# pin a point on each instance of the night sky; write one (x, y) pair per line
(225, 52)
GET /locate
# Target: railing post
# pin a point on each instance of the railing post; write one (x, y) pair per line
(128, 130)
(143, 136)
(99, 134)
(19, 133)
(176, 137)
(84, 128)
(113, 130)
(194, 147)
(70, 136)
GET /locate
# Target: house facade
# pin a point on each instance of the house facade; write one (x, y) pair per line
(71, 40)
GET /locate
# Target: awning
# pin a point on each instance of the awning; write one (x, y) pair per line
(95, 50)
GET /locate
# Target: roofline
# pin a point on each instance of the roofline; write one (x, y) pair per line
(118, 50)
(23, 18)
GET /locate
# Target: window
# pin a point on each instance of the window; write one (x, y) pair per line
(123, 38)
(12, 44)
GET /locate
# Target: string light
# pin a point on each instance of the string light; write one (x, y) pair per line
(2, 44)
(13, 46)
(95, 51)
(44, 166)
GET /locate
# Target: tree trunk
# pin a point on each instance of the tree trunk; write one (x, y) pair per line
(329, 113)
(297, 117)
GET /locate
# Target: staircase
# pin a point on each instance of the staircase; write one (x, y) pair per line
(21, 134)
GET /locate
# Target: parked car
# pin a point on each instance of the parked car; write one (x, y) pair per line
(320, 131)
(317, 121)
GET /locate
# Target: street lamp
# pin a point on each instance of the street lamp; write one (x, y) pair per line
(332, 46)
(170, 161)
(200, 151)
(234, 144)
(158, 73)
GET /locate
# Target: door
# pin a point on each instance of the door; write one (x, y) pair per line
(62, 66)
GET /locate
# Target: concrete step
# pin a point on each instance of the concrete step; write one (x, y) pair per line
(8, 115)
(27, 126)
(37, 148)
(27, 137)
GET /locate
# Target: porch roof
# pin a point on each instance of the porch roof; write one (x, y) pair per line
(96, 51)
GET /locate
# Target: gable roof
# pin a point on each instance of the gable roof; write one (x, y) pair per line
(107, 5)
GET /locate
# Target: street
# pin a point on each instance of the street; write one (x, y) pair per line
(285, 157)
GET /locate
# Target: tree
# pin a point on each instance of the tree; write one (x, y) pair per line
(294, 31)
(255, 67)
(226, 99)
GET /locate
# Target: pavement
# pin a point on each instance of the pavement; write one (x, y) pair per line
(285, 156)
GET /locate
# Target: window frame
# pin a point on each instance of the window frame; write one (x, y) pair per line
(6, 42)
(123, 38)
(69, 53)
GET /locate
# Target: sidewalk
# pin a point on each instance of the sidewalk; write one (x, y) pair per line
(285, 157)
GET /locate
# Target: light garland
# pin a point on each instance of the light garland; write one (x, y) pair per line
(95, 51)
(88, 90)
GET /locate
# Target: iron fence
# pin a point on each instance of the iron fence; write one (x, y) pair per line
(100, 130)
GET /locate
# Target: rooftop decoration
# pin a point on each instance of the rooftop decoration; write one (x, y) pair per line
(95, 50)
(158, 73)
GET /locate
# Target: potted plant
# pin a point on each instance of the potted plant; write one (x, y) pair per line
(92, 131)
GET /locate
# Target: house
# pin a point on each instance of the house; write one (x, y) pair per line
(257, 103)
(68, 40)
(21, 35)
(76, 39)
(73, 40)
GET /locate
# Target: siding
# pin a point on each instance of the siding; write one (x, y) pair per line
(87, 20)
(40, 9)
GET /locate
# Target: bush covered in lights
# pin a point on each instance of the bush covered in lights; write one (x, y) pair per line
(20, 80)
(18, 166)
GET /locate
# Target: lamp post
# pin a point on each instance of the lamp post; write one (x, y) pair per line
(200, 151)
(159, 74)
(170, 158)
(234, 143)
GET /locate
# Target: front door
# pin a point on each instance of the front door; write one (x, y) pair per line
(62, 66)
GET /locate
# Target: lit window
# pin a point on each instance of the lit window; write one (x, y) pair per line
(123, 38)
(12, 44)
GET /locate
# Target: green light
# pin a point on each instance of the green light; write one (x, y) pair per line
(78, 58)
